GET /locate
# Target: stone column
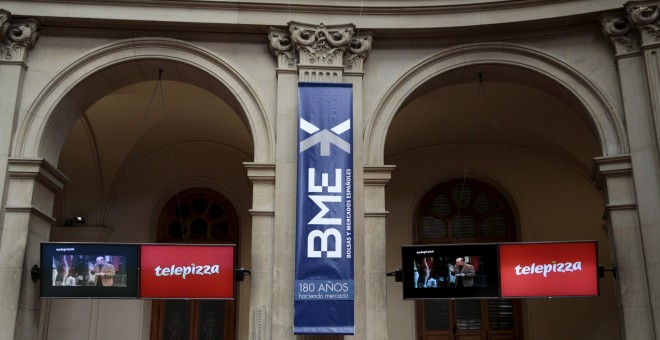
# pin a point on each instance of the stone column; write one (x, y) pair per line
(637, 44)
(23, 222)
(27, 220)
(368, 299)
(645, 20)
(613, 176)
(310, 53)
(284, 237)
(375, 180)
(16, 38)
(262, 177)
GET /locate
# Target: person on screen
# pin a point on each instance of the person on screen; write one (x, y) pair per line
(464, 273)
(61, 275)
(69, 281)
(426, 271)
(103, 273)
(416, 273)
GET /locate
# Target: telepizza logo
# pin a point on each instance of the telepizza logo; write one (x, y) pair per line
(192, 269)
(554, 267)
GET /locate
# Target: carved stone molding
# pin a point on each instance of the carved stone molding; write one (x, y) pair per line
(320, 52)
(5, 19)
(645, 19)
(282, 47)
(17, 36)
(358, 51)
(618, 29)
(639, 27)
(320, 45)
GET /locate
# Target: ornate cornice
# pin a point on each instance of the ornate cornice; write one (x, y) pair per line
(17, 37)
(320, 47)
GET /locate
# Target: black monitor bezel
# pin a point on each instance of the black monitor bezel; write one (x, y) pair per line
(452, 251)
(130, 251)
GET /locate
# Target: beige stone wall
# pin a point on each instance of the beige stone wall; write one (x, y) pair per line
(223, 45)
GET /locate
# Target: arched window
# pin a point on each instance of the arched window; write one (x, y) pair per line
(196, 216)
(466, 211)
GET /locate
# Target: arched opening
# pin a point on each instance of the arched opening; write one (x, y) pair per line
(118, 64)
(129, 135)
(528, 137)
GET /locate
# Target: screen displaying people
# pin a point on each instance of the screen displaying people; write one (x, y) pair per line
(89, 270)
(448, 272)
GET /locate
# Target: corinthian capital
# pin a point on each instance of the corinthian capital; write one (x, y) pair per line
(5, 19)
(320, 45)
(18, 36)
(320, 52)
(358, 51)
(645, 19)
(618, 29)
(282, 47)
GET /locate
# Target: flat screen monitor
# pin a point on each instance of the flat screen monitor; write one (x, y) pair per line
(187, 271)
(551, 269)
(89, 270)
(450, 271)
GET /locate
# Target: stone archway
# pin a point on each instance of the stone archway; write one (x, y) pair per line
(445, 68)
(609, 127)
(93, 75)
(40, 136)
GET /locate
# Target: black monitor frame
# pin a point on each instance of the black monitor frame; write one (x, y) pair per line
(85, 253)
(486, 280)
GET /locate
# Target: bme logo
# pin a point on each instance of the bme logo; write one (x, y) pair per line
(325, 195)
(325, 137)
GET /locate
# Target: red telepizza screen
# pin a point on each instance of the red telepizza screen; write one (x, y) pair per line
(187, 272)
(549, 269)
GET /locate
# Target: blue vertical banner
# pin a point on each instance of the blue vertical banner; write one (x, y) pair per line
(324, 290)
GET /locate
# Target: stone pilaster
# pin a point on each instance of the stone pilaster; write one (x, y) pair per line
(27, 220)
(375, 249)
(317, 53)
(613, 175)
(639, 75)
(22, 225)
(262, 177)
(16, 38)
(284, 237)
(644, 18)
